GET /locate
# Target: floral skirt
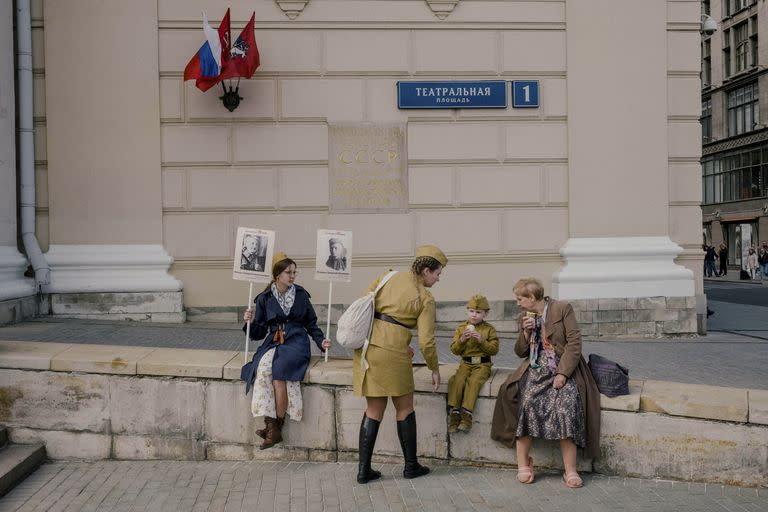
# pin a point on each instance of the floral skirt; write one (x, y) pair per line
(263, 400)
(549, 413)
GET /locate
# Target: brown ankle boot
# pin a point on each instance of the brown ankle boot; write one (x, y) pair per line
(262, 432)
(453, 421)
(466, 421)
(273, 433)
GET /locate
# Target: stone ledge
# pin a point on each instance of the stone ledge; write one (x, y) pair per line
(670, 398)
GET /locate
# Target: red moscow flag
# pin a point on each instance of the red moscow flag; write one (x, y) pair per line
(243, 58)
(199, 71)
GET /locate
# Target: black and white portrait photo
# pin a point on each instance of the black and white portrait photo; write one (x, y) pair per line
(253, 249)
(337, 255)
(333, 261)
(253, 253)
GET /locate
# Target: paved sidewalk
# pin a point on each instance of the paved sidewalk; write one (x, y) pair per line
(166, 486)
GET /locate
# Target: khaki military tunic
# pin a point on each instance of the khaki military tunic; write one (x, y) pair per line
(390, 373)
(465, 384)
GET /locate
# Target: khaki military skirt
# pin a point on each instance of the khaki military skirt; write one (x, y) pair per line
(390, 372)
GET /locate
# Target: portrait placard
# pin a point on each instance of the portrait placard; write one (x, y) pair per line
(253, 255)
(333, 260)
(367, 168)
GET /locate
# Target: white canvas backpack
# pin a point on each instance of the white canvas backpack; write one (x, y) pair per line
(356, 323)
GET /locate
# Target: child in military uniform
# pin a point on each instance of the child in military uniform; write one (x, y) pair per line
(475, 341)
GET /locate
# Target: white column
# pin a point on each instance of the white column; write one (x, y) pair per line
(619, 243)
(13, 284)
(104, 148)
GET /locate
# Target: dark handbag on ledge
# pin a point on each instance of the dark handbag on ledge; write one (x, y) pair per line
(612, 379)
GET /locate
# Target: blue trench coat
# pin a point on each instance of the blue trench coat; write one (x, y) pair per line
(292, 356)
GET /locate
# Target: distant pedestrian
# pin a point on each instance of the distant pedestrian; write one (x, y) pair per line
(709, 260)
(762, 260)
(723, 257)
(752, 263)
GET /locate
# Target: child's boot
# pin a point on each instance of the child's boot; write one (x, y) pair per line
(465, 425)
(454, 417)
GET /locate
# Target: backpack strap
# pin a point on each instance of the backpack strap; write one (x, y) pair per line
(384, 281)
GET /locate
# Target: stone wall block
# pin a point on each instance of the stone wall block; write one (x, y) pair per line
(654, 446)
(430, 418)
(641, 328)
(629, 403)
(228, 417)
(224, 451)
(160, 407)
(695, 401)
(665, 315)
(54, 401)
(457, 311)
(651, 303)
(586, 317)
(66, 445)
(639, 315)
(677, 302)
(611, 304)
(317, 428)
(606, 316)
(157, 448)
(589, 329)
(611, 329)
(680, 326)
(511, 310)
(758, 406)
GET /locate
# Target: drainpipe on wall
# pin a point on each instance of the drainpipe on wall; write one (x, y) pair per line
(27, 145)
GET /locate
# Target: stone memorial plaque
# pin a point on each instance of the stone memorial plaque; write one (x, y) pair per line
(367, 168)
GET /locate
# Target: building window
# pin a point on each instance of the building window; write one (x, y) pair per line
(741, 40)
(706, 63)
(753, 40)
(743, 109)
(735, 175)
(706, 120)
(726, 53)
(705, 6)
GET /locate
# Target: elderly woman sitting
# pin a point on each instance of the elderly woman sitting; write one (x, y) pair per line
(552, 394)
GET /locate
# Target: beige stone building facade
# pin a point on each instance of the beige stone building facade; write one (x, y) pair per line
(142, 180)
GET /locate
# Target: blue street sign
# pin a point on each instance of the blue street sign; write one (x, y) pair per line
(525, 93)
(463, 94)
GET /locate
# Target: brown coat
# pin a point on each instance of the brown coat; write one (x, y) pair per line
(563, 332)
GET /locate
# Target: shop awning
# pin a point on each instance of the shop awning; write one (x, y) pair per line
(737, 217)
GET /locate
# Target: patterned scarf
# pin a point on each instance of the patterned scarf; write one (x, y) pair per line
(540, 342)
(286, 300)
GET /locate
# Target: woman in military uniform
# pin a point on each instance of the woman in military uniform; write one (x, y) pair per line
(402, 304)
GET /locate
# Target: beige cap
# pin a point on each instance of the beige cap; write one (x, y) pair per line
(278, 257)
(433, 252)
(478, 301)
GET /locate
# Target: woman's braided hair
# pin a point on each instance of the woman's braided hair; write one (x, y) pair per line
(422, 262)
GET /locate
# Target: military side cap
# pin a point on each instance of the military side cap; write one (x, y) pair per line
(477, 301)
(433, 252)
(278, 257)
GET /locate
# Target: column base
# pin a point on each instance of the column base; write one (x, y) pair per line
(624, 267)
(114, 282)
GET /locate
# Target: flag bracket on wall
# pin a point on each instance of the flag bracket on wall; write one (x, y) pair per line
(219, 59)
(231, 98)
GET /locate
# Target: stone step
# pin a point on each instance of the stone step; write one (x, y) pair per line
(16, 462)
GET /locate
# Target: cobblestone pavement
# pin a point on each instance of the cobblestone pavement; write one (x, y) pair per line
(719, 359)
(166, 486)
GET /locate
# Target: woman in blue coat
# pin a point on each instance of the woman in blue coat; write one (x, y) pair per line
(282, 316)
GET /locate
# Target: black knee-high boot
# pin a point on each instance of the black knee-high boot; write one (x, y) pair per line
(369, 429)
(406, 431)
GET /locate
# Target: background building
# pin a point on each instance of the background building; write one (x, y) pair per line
(142, 180)
(734, 136)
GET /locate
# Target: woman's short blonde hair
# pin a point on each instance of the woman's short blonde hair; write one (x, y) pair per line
(529, 287)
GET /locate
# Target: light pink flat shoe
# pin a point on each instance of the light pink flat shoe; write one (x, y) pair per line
(525, 473)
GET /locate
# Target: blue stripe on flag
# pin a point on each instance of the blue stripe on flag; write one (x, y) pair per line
(208, 65)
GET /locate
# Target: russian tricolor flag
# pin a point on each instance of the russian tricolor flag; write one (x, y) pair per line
(205, 66)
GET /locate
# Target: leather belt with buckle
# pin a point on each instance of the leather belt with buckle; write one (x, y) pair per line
(477, 359)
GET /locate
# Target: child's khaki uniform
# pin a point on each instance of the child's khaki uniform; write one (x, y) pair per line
(475, 366)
